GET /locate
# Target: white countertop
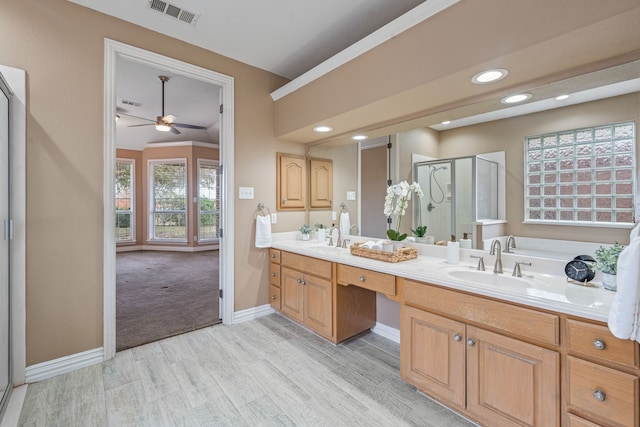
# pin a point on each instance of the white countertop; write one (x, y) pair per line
(543, 285)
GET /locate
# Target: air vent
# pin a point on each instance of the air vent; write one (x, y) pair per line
(132, 103)
(173, 11)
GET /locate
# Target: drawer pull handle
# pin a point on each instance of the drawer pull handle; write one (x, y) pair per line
(362, 278)
(457, 337)
(273, 297)
(599, 395)
(299, 280)
(273, 274)
(471, 342)
(599, 344)
(273, 255)
(303, 282)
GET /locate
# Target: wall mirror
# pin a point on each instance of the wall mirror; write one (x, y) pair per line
(420, 146)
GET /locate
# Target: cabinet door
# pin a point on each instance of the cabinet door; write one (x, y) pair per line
(321, 183)
(432, 352)
(291, 182)
(292, 294)
(510, 382)
(318, 305)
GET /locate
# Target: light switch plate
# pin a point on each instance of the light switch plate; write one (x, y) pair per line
(351, 195)
(245, 193)
(274, 218)
(334, 216)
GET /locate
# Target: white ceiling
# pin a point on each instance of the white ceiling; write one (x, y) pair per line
(286, 37)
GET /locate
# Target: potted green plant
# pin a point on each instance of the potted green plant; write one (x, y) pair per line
(305, 231)
(607, 262)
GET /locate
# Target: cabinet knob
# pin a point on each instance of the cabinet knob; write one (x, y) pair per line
(599, 395)
(303, 282)
(273, 274)
(457, 337)
(599, 344)
(299, 280)
(273, 255)
(273, 297)
(362, 278)
(471, 342)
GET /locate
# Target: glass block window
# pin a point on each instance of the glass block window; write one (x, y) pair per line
(168, 201)
(582, 175)
(124, 195)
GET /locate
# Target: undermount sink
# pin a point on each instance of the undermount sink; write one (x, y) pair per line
(489, 278)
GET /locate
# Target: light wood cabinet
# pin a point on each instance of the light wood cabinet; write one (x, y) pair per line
(320, 183)
(291, 182)
(602, 384)
(274, 279)
(307, 292)
(493, 378)
(379, 282)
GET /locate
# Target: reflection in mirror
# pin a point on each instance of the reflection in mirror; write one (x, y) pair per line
(606, 96)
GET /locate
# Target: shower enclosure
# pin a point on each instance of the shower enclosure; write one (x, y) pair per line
(457, 193)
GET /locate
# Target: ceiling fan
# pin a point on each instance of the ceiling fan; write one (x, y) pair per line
(165, 123)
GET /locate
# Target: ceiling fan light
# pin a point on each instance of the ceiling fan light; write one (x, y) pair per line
(163, 127)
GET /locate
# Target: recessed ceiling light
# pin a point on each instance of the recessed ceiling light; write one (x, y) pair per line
(561, 97)
(323, 129)
(514, 99)
(489, 76)
(446, 122)
(359, 137)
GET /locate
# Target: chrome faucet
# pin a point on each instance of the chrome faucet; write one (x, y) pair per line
(510, 244)
(517, 272)
(496, 249)
(339, 241)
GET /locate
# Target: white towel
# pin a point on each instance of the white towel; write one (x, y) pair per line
(345, 224)
(370, 244)
(263, 231)
(624, 316)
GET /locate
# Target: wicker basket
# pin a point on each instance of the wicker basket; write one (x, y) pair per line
(402, 254)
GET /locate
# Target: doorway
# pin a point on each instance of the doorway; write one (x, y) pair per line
(115, 52)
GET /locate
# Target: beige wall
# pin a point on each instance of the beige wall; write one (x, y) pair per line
(428, 68)
(61, 47)
(509, 134)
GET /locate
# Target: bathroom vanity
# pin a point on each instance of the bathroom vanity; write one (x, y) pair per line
(498, 349)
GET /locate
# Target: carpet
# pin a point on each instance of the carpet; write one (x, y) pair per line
(161, 294)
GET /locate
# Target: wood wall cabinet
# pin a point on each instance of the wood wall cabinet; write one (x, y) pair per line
(602, 386)
(321, 183)
(493, 378)
(291, 182)
(274, 279)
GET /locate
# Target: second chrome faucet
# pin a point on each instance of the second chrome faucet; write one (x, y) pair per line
(496, 249)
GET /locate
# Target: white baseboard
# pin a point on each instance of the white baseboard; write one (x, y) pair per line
(252, 313)
(165, 248)
(62, 365)
(388, 332)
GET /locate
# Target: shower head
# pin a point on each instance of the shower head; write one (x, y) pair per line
(439, 168)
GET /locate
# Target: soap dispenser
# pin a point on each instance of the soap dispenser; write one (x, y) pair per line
(453, 251)
(465, 242)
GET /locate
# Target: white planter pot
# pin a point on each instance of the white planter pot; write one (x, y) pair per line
(609, 281)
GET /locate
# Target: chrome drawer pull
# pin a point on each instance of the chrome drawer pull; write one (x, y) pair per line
(273, 255)
(457, 337)
(599, 395)
(303, 282)
(273, 297)
(362, 278)
(299, 280)
(599, 344)
(471, 342)
(273, 274)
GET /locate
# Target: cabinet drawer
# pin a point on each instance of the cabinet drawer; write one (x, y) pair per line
(306, 264)
(602, 394)
(274, 274)
(379, 282)
(274, 297)
(530, 324)
(575, 421)
(274, 255)
(596, 341)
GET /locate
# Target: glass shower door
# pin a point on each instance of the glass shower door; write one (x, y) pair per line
(5, 295)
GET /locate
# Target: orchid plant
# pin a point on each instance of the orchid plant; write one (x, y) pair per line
(395, 203)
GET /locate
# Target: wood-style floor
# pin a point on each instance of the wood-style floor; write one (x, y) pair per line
(266, 372)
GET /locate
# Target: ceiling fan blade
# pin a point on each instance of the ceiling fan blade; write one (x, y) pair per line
(187, 126)
(136, 117)
(146, 124)
(175, 130)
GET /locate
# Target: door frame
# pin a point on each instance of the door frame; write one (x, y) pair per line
(113, 51)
